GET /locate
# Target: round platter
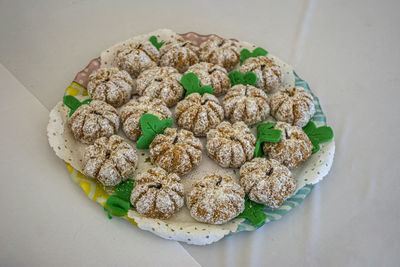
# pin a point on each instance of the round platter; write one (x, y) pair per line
(181, 227)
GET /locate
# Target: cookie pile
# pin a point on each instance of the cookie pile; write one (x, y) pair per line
(214, 92)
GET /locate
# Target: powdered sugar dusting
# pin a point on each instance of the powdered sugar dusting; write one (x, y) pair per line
(177, 151)
(110, 160)
(157, 194)
(179, 53)
(198, 113)
(131, 112)
(246, 103)
(111, 86)
(267, 70)
(267, 181)
(136, 57)
(161, 83)
(92, 121)
(212, 75)
(220, 51)
(231, 144)
(215, 199)
(293, 105)
(293, 148)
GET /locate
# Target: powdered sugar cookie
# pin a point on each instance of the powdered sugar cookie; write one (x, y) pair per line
(215, 199)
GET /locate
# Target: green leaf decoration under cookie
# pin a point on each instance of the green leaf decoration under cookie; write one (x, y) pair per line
(253, 212)
(318, 135)
(266, 134)
(151, 125)
(124, 189)
(116, 206)
(119, 203)
(245, 54)
(73, 103)
(144, 141)
(237, 77)
(154, 41)
(191, 83)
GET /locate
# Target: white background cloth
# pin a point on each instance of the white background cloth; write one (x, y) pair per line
(348, 51)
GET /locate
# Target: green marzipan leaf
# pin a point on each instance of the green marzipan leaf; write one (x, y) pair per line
(151, 125)
(258, 150)
(259, 51)
(264, 127)
(253, 213)
(323, 134)
(154, 41)
(250, 78)
(315, 147)
(144, 141)
(266, 134)
(119, 204)
(73, 103)
(124, 189)
(205, 89)
(309, 128)
(245, 54)
(237, 77)
(164, 124)
(116, 206)
(191, 83)
(201, 90)
(318, 135)
(271, 136)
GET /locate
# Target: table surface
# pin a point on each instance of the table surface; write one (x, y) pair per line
(346, 50)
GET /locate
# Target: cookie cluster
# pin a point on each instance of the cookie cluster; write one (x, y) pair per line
(214, 92)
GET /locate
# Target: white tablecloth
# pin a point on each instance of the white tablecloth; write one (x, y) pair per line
(346, 50)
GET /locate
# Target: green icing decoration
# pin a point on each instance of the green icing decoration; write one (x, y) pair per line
(253, 212)
(116, 206)
(245, 54)
(73, 103)
(151, 126)
(124, 190)
(119, 204)
(154, 41)
(191, 83)
(266, 134)
(237, 77)
(318, 135)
